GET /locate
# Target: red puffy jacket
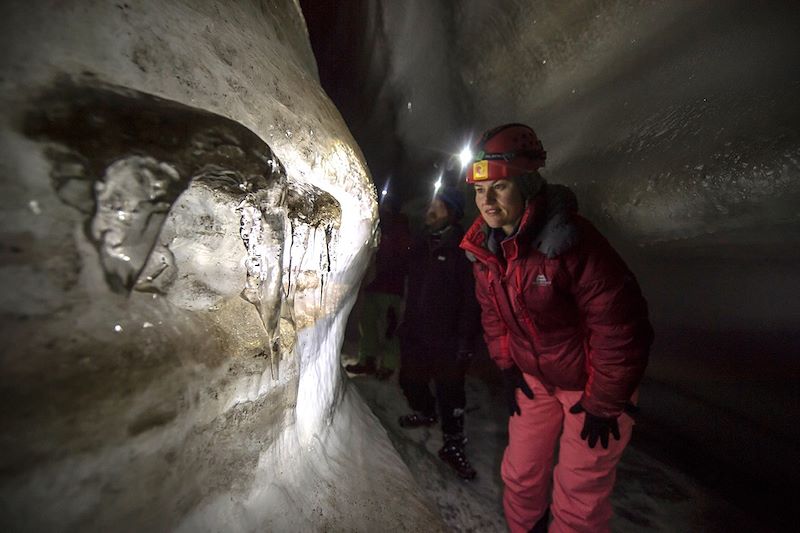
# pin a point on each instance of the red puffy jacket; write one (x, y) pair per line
(561, 304)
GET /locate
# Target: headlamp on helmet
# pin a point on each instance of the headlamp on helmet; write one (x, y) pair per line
(505, 152)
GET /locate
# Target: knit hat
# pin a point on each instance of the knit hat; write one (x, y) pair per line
(453, 199)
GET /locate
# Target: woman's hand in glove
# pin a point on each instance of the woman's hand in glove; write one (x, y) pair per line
(513, 380)
(596, 427)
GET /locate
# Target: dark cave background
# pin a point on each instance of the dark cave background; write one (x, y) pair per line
(678, 126)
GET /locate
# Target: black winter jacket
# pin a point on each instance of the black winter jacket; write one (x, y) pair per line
(441, 309)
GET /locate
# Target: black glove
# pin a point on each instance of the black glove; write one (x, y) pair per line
(596, 427)
(513, 380)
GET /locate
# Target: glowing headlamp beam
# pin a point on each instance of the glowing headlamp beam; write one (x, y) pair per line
(384, 191)
(465, 156)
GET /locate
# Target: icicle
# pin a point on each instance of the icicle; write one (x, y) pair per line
(263, 225)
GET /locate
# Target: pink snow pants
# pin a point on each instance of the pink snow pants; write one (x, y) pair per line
(581, 481)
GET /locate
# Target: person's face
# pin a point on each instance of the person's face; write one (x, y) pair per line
(437, 214)
(500, 203)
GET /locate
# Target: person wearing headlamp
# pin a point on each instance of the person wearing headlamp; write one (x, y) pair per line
(565, 321)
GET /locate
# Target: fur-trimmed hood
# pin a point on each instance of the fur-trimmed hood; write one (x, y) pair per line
(559, 233)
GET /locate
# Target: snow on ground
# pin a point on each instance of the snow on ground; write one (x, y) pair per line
(649, 495)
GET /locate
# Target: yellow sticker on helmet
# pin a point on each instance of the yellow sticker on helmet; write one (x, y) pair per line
(480, 170)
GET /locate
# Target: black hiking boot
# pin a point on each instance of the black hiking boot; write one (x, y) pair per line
(453, 454)
(416, 420)
(367, 368)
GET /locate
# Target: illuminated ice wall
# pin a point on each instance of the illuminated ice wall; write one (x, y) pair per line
(185, 221)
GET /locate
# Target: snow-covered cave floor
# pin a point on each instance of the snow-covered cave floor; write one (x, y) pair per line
(649, 495)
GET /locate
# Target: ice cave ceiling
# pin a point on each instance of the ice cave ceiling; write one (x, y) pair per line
(671, 119)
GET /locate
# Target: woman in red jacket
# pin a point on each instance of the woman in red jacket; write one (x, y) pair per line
(566, 322)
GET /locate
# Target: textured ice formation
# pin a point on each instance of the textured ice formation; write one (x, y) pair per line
(185, 219)
(132, 201)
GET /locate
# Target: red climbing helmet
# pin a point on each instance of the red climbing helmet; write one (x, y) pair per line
(505, 152)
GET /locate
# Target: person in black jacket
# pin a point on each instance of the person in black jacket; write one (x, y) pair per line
(439, 327)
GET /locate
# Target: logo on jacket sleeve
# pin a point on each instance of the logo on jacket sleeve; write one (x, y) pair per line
(542, 281)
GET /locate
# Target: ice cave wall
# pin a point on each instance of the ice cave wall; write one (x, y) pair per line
(185, 220)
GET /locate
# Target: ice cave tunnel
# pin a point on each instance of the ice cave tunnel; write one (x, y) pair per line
(189, 204)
